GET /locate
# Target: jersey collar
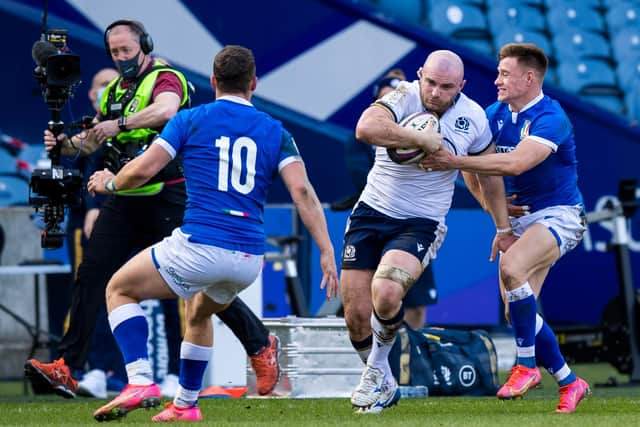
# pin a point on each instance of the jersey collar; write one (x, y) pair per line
(534, 101)
(236, 99)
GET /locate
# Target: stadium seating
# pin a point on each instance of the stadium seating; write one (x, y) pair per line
(628, 71)
(14, 190)
(626, 44)
(409, 10)
(591, 3)
(587, 76)
(7, 162)
(578, 15)
(611, 103)
(506, 3)
(476, 3)
(601, 36)
(518, 35)
(632, 102)
(576, 43)
(623, 15)
(461, 21)
(515, 15)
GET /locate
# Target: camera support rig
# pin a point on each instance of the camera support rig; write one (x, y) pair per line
(55, 188)
(51, 190)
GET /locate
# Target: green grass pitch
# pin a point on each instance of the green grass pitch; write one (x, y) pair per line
(615, 406)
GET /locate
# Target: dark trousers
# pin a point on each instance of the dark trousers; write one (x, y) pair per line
(246, 326)
(125, 226)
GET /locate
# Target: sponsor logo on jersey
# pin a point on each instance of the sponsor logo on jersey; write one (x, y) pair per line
(524, 131)
(500, 124)
(462, 124)
(504, 148)
(420, 247)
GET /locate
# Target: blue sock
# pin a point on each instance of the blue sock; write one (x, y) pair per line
(131, 332)
(548, 353)
(193, 362)
(522, 308)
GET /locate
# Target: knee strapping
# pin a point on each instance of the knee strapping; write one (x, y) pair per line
(395, 274)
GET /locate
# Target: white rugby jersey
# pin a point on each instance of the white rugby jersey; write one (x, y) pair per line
(406, 191)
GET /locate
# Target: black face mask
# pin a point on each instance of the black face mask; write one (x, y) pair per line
(129, 69)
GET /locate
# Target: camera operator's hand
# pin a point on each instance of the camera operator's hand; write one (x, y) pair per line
(50, 140)
(102, 131)
(97, 182)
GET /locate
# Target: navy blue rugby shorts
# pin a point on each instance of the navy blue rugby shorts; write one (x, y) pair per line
(370, 234)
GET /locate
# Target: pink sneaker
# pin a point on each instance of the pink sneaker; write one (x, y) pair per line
(520, 381)
(174, 413)
(132, 397)
(571, 394)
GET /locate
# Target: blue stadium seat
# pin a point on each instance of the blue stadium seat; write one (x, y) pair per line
(632, 102)
(506, 3)
(626, 44)
(517, 35)
(7, 162)
(628, 72)
(519, 16)
(611, 3)
(587, 76)
(483, 46)
(452, 18)
(33, 154)
(477, 3)
(611, 103)
(623, 15)
(551, 76)
(591, 3)
(14, 190)
(578, 15)
(463, 22)
(577, 43)
(408, 10)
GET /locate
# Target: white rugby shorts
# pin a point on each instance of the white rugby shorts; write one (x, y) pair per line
(189, 268)
(565, 222)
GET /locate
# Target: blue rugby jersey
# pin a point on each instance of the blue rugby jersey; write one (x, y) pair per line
(231, 152)
(554, 181)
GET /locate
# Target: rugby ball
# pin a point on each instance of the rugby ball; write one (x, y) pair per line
(418, 121)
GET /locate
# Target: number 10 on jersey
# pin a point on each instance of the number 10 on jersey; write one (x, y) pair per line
(239, 166)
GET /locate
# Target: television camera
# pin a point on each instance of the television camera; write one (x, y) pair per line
(51, 190)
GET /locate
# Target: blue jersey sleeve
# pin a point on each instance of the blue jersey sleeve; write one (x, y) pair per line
(552, 126)
(288, 149)
(175, 131)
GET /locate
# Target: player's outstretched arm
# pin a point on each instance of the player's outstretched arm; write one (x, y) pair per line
(135, 173)
(312, 215)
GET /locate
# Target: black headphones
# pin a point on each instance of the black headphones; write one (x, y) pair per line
(146, 43)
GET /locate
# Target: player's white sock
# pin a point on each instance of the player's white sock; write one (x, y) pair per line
(185, 398)
(139, 372)
(384, 335)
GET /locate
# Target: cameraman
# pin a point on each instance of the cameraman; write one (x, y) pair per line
(133, 110)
